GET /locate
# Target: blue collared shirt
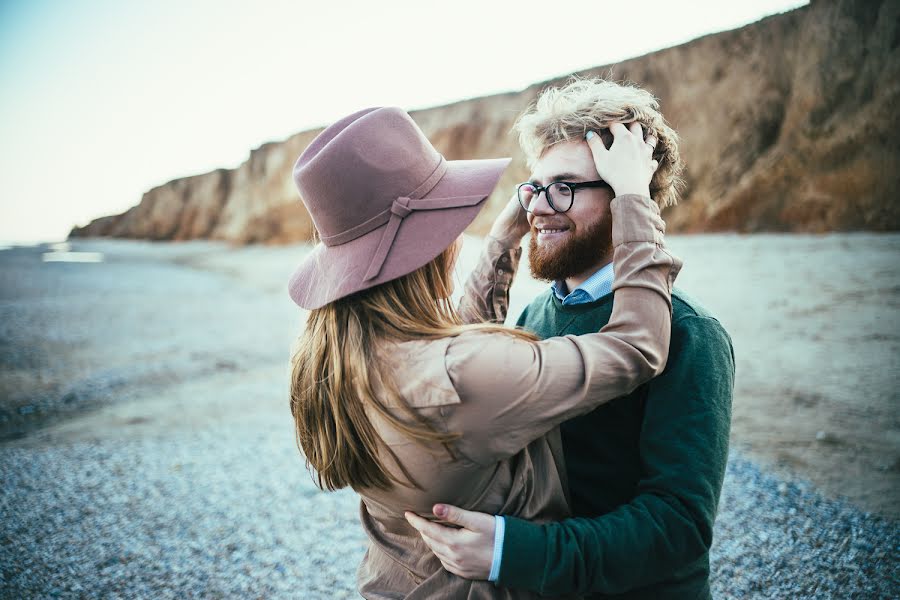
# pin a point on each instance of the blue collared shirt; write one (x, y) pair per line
(594, 287)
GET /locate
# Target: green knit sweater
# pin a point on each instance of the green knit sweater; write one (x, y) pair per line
(644, 470)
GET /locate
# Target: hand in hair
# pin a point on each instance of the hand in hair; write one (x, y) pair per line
(511, 224)
(628, 165)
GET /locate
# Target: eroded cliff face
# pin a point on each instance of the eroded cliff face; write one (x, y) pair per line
(787, 124)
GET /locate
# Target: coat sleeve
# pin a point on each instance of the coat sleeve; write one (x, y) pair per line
(486, 292)
(667, 527)
(512, 390)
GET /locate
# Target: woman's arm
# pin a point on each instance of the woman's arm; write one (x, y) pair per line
(486, 292)
(513, 390)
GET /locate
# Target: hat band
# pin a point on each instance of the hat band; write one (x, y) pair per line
(383, 217)
(399, 210)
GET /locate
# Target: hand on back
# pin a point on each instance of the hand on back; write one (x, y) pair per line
(466, 550)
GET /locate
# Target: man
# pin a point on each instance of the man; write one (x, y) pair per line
(644, 471)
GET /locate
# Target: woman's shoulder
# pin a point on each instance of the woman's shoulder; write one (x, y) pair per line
(436, 364)
(419, 371)
(463, 343)
(485, 353)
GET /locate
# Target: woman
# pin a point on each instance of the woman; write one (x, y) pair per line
(397, 395)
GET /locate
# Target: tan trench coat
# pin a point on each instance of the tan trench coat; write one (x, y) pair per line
(506, 396)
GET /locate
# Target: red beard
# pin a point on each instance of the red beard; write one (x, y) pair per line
(589, 248)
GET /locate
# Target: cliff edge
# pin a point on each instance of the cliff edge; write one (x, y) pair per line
(786, 125)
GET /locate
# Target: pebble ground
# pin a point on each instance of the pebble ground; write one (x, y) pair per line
(231, 513)
(149, 453)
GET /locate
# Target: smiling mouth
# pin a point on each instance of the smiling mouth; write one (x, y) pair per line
(550, 230)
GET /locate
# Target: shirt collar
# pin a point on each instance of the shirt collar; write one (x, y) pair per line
(594, 287)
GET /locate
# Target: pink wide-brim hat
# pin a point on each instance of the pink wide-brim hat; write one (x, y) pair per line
(384, 203)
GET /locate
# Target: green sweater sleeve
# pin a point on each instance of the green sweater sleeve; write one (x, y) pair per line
(668, 525)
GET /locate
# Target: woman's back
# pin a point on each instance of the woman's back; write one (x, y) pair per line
(503, 396)
(527, 483)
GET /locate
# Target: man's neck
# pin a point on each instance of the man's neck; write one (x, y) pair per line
(576, 280)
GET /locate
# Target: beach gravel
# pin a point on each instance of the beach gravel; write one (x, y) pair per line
(148, 448)
(232, 513)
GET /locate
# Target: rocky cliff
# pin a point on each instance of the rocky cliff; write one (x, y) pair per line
(786, 125)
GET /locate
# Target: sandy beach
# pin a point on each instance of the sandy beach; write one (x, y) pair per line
(148, 449)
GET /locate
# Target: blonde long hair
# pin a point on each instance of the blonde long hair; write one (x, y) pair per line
(337, 374)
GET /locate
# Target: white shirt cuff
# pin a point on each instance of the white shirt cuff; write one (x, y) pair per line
(499, 533)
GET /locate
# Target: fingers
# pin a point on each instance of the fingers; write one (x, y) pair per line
(425, 527)
(470, 520)
(651, 142)
(635, 128)
(437, 538)
(466, 552)
(638, 131)
(617, 129)
(440, 549)
(595, 143)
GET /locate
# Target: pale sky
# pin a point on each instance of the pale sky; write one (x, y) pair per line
(100, 100)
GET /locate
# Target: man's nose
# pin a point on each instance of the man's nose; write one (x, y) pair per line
(540, 205)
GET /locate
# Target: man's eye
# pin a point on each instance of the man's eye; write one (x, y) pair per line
(561, 189)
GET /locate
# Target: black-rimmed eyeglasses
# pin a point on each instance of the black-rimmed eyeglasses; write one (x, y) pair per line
(560, 194)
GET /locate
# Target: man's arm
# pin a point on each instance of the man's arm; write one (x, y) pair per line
(669, 523)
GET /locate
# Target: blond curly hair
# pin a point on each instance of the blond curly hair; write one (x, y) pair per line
(566, 113)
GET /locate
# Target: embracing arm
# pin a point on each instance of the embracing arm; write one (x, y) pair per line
(667, 527)
(665, 532)
(513, 390)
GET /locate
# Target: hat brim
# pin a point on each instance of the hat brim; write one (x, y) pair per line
(332, 272)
